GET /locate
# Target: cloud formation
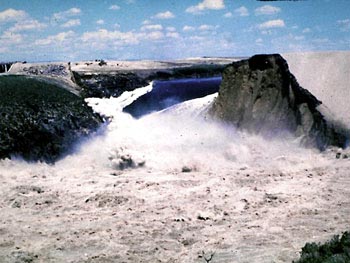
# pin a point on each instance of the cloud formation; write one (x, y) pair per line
(206, 5)
(27, 25)
(188, 28)
(164, 15)
(242, 11)
(306, 30)
(228, 15)
(66, 14)
(267, 10)
(114, 7)
(344, 24)
(11, 15)
(206, 27)
(71, 23)
(55, 39)
(105, 35)
(152, 27)
(9, 38)
(277, 23)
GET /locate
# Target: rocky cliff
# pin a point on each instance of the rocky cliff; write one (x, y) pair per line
(40, 121)
(262, 96)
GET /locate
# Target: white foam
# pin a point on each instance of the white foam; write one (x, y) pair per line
(183, 136)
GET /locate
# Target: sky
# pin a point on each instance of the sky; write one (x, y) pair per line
(74, 30)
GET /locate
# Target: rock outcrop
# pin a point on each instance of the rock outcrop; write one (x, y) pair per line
(102, 85)
(262, 96)
(4, 67)
(41, 121)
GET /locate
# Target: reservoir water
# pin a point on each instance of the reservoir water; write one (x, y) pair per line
(168, 93)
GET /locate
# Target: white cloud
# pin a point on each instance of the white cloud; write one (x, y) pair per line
(71, 23)
(9, 38)
(151, 27)
(66, 14)
(197, 38)
(105, 35)
(277, 23)
(146, 22)
(259, 41)
(100, 22)
(26, 25)
(10, 15)
(154, 35)
(114, 7)
(344, 24)
(173, 34)
(320, 40)
(188, 28)
(206, 5)
(242, 11)
(298, 38)
(206, 27)
(307, 30)
(267, 10)
(55, 39)
(171, 29)
(228, 15)
(164, 15)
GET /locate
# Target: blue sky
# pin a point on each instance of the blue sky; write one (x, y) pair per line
(51, 30)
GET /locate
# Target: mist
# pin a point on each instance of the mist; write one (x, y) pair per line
(180, 138)
(184, 137)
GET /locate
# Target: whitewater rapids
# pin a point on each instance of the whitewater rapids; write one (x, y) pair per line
(197, 188)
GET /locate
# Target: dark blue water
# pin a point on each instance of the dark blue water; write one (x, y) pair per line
(170, 92)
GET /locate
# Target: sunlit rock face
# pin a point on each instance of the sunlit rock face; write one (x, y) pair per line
(262, 96)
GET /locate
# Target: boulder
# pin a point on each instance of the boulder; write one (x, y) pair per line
(40, 121)
(262, 96)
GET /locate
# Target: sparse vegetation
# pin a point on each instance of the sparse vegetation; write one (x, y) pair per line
(101, 62)
(337, 250)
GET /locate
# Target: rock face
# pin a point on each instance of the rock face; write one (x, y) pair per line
(261, 95)
(41, 121)
(108, 85)
(4, 67)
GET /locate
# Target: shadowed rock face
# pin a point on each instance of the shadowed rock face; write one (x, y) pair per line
(261, 95)
(4, 67)
(41, 121)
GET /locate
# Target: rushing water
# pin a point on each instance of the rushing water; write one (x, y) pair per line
(182, 135)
